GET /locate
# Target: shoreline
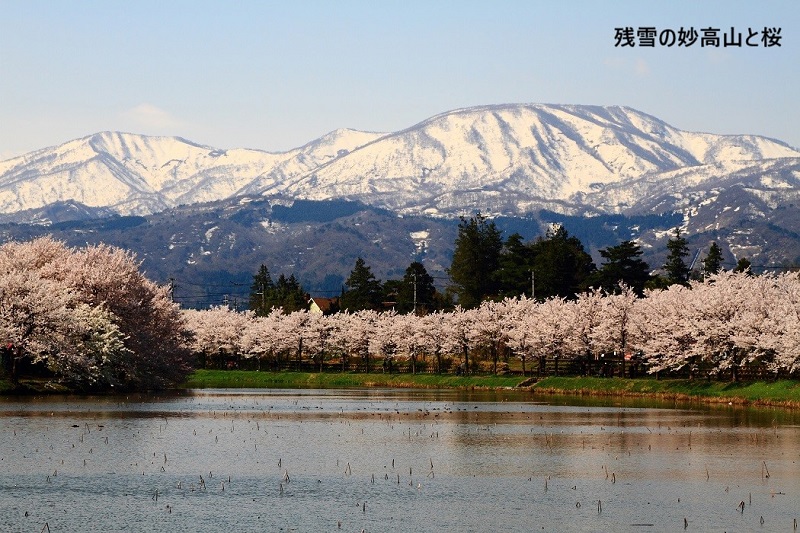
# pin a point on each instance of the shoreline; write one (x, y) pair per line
(781, 393)
(784, 394)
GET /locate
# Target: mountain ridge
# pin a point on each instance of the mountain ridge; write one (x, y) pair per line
(503, 159)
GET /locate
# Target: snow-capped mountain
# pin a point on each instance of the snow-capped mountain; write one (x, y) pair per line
(504, 159)
(137, 174)
(518, 159)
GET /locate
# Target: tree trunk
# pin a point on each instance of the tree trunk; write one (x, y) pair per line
(16, 356)
(299, 353)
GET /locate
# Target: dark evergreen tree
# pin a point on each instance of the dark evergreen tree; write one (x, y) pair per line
(476, 259)
(677, 271)
(622, 265)
(712, 264)
(390, 290)
(286, 294)
(261, 291)
(289, 294)
(364, 291)
(561, 266)
(516, 262)
(416, 287)
(742, 265)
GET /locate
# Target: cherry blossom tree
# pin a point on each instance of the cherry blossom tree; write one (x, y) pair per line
(351, 334)
(456, 333)
(385, 342)
(613, 331)
(260, 336)
(585, 315)
(785, 338)
(96, 355)
(666, 325)
(551, 331)
(293, 331)
(487, 330)
(146, 316)
(220, 332)
(34, 316)
(318, 330)
(517, 325)
(428, 330)
(70, 309)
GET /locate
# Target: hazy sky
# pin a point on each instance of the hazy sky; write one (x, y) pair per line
(275, 75)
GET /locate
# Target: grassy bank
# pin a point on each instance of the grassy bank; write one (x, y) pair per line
(204, 379)
(783, 392)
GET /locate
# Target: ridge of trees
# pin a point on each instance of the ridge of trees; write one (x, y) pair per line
(726, 324)
(89, 318)
(487, 267)
(286, 294)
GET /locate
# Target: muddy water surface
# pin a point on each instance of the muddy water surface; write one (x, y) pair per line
(389, 460)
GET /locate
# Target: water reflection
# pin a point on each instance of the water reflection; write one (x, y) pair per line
(254, 460)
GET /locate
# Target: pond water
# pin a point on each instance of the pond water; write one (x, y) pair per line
(393, 460)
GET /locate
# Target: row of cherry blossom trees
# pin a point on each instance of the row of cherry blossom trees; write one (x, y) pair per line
(725, 323)
(87, 317)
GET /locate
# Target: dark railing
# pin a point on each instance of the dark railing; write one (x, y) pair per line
(538, 367)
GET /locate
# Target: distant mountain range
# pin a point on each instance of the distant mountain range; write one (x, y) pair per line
(540, 163)
(507, 160)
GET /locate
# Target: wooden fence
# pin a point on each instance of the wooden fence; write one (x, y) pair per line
(540, 367)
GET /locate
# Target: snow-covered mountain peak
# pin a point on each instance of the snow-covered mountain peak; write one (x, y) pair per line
(508, 159)
(512, 158)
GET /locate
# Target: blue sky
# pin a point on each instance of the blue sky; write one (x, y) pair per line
(275, 75)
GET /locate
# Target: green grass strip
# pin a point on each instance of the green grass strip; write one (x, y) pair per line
(782, 392)
(785, 392)
(228, 379)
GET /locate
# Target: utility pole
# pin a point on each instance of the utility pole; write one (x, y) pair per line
(263, 299)
(172, 289)
(533, 286)
(415, 293)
